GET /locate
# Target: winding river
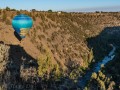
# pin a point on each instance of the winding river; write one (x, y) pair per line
(83, 80)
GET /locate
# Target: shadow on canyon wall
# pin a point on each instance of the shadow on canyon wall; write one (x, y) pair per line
(20, 70)
(21, 73)
(101, 44)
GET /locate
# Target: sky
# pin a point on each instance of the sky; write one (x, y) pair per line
(64, 5)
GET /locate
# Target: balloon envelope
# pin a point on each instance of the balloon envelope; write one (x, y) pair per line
(22, 24)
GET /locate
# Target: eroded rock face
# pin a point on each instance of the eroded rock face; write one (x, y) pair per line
(4, 56)
(18, 70)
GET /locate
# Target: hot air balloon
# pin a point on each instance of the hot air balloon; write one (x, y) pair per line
(21, 24)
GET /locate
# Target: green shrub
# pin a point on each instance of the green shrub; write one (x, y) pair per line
(8, 22)
(7, 9)
(4, 16)
(48, 70)
(50, 10)
(94, 76)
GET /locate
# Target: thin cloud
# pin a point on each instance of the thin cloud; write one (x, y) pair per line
(93, 9)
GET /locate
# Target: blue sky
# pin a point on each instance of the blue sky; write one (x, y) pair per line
(65, 5)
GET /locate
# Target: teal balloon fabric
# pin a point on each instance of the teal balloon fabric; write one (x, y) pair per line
(22, 24)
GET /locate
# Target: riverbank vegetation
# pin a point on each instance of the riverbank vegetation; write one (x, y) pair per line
(108, 77)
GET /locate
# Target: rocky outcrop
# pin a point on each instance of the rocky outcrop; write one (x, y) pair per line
(18, 70)
(4, 56)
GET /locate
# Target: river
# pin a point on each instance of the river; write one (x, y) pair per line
(83, 80)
